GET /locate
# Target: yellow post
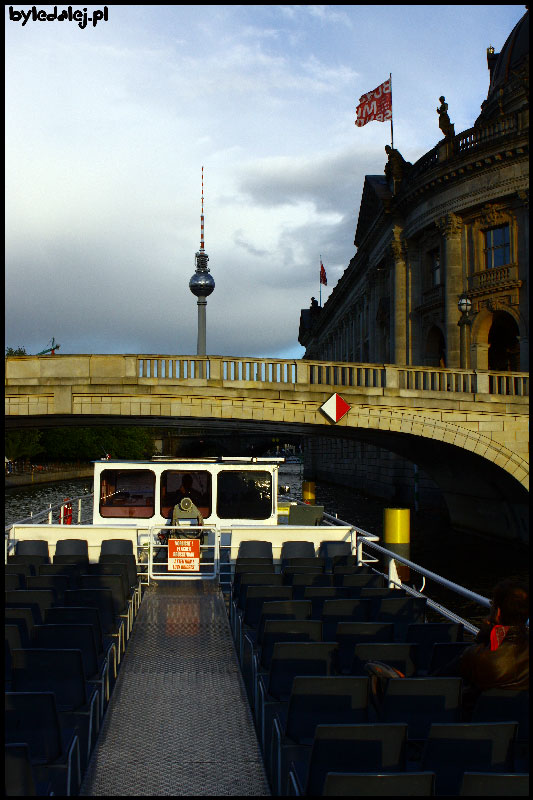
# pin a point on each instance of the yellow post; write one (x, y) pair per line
(308, 492)
(397, 537)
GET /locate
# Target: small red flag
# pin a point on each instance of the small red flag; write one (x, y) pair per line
(323, 278)
(376, 104)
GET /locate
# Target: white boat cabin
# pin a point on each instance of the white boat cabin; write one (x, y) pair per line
(226, 491)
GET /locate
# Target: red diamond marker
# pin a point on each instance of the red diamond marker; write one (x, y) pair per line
(335, 408)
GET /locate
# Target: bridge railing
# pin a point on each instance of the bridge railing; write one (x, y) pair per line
(328, 374)
(275, 372)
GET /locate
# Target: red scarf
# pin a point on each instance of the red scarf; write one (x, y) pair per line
(497, 635)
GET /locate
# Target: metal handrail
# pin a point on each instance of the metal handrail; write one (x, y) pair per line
(40, 515)
(369, 540)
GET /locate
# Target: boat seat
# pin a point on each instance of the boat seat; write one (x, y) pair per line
(331, 700)
(348, 634)
(380, 784)
(80, 637)
(399, 655)
(132, 579)
(319, 594)
(20, 778)
(58, 583)
(335, 610)
(329, 550)
(299, 580)
(301, 569)
(115, 583)
(425, 634)
(455, 748)
(421, 701)
(32, 547)
(239, 595)
(253, 548)
(296, 549)
(31, 561)
(38, 599)
(357, 580)
(16, 581)
(77, 547)
(349, 748)
(101, 599)
(444, 652)
(87, 615)
(24, 620)
(402, 611)
(116, 547)
(33, 717)
(18, 569)
(71, 570)
(348, 562)
(78, 559)
(288, 660)
(248, 618)
(60, 672)
(492, 784)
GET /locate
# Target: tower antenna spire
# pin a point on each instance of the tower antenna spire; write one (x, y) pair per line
(202, 216)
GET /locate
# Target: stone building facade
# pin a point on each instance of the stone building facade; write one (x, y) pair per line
(453, 225)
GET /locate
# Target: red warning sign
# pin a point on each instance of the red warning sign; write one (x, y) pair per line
(184, 554)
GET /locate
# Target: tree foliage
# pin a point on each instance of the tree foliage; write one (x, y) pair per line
(24, 443)
(81, 444)
(16, 351)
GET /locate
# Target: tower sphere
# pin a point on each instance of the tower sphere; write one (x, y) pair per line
(202, 282)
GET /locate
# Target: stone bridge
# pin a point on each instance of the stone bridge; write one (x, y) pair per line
(465, 427)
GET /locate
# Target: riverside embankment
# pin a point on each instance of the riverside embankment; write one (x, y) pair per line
(30, 478)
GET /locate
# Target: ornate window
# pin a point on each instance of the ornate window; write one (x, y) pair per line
(434, 266)
(497, 247)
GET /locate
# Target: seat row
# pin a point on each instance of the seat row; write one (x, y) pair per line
(67, 626)
(301, 699)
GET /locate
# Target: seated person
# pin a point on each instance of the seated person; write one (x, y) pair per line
(500, 656)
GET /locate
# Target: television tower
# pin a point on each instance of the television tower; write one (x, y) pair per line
(201, 284)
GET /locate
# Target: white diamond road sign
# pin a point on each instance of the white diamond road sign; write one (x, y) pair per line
(335, 408)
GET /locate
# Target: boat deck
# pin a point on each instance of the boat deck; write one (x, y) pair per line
(178, 722)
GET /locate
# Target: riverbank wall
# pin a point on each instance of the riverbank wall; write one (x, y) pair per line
(372, 471)
(32, 478)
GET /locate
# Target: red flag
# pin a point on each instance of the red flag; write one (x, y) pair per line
(323, 278)
(375, 105)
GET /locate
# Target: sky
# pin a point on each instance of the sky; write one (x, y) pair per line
(108, 127)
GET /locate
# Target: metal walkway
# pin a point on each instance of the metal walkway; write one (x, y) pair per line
(178, 722)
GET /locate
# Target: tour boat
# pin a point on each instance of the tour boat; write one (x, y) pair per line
(222, 587)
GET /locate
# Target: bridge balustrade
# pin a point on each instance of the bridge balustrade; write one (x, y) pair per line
(327, 374)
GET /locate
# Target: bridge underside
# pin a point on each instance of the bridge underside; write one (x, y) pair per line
(480, 495)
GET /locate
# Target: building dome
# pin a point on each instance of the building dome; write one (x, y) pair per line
(509, 70)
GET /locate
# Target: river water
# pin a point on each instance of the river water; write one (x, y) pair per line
(464, 559)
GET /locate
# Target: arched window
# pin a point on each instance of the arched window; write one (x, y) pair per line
(497, 248)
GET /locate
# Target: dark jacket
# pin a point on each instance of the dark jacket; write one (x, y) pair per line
(507, 667)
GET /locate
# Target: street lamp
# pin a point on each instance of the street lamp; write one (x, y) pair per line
(465, 306)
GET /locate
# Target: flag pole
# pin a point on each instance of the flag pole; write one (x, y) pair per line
(320, 282)
(391, 128)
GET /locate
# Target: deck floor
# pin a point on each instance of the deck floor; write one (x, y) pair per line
(178, 722)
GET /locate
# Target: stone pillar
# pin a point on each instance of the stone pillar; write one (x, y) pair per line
(450, 227)
(522, 220)
(398, 304)
(414, 356)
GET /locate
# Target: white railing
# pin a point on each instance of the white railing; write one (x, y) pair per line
(73, 509)
(327, 374)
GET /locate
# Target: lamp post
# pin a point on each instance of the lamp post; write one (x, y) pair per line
(465, 305)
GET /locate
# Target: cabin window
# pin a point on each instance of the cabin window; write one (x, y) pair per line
(497, 247)
(244, 494)
(127, 493)
(177, 484)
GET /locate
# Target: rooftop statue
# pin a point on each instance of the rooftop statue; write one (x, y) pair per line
(396, 167)
(445, 125)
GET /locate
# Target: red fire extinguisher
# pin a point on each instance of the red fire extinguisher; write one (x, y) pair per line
(67, 513)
